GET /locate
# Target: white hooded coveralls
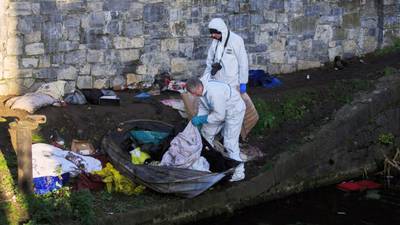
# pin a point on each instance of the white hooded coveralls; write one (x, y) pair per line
(234, 62)
(225, 109)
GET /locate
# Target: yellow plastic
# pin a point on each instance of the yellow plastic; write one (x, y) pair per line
(138, 157)
(115, 182)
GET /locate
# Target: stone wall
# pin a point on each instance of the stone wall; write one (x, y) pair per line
(108, 43)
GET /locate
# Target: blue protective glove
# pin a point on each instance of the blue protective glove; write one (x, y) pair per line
(199, 120)
(242, 88)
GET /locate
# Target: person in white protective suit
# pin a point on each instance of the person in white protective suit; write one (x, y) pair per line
(220, 108)
(227, 58)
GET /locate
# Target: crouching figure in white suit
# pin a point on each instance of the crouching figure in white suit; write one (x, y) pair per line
(220, 108)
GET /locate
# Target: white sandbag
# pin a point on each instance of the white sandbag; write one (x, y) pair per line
(48, 160)
(55, 89)
(30, 102)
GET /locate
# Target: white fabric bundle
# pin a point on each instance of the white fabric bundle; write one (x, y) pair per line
(185, 151)
(48, 160)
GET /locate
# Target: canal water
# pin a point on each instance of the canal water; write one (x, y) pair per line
(324, 206)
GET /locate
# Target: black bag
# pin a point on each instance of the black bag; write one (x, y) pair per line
(92, 95)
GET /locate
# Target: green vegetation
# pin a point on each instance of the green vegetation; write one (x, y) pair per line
(37, 138)
(389, 71)
(272, 115)
(63, 204)
(386, 139)
(390, 49)
(343, 90)
(12, 206)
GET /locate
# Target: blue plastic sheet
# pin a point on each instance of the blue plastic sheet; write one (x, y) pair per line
(261, 78)
(43, 185)
(148, 137)
(143, 95)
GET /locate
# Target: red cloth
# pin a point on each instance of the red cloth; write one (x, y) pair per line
(358, 185)
(89, 181)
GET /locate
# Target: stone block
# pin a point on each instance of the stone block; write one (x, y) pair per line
(129, 55)
(36, 8)
(270, 16)
(351, 20)
(282, 18)
(101, 83)
(124, 42)
(292, 59)
(303, 24)
(28, 82)
(132, 29)
(75, 57)
(335, 51)
(34, 49)
(370, 44)
(66, 46)
(99, 19)
(84, 82)
(349, 46)
(278, 45)
(105, 70)
(30, 62)
(14, 46)
(12, 27)
(135, 11)
(95, 56)
(19, 9)
(141, 70)
(85, 69)
(178, 29)
(95, 6)
(155, 13)
(25, 25)
(72, 34)
(193, 30)
(169, 44)
(277, 57)
(178, 65)
(113, 27)
(45, 73)
(33, 37)
(186, 49)
(132, 78)
(323, 33)
(303, 64)
(10, 62)
(118, 82)
(288, 68)
(25, 73)
(155, 58)
(4, 89)
(72, 21)
(67, 73)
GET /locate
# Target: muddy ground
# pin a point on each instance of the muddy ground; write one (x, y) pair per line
(326, 91)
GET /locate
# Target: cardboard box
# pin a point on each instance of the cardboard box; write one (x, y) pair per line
(82, 147)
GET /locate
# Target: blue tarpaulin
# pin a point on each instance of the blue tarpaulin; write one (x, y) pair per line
(43, 185)
(148, 137)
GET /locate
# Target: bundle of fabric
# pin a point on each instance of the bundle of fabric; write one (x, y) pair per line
(47, 94)
(52, 167)
(185, 151)
(48, 160)
(30, 102)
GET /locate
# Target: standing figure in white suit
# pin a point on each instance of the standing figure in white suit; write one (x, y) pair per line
(227, 58)
(220, 108)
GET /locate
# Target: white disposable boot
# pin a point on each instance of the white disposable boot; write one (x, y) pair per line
(238, 174)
